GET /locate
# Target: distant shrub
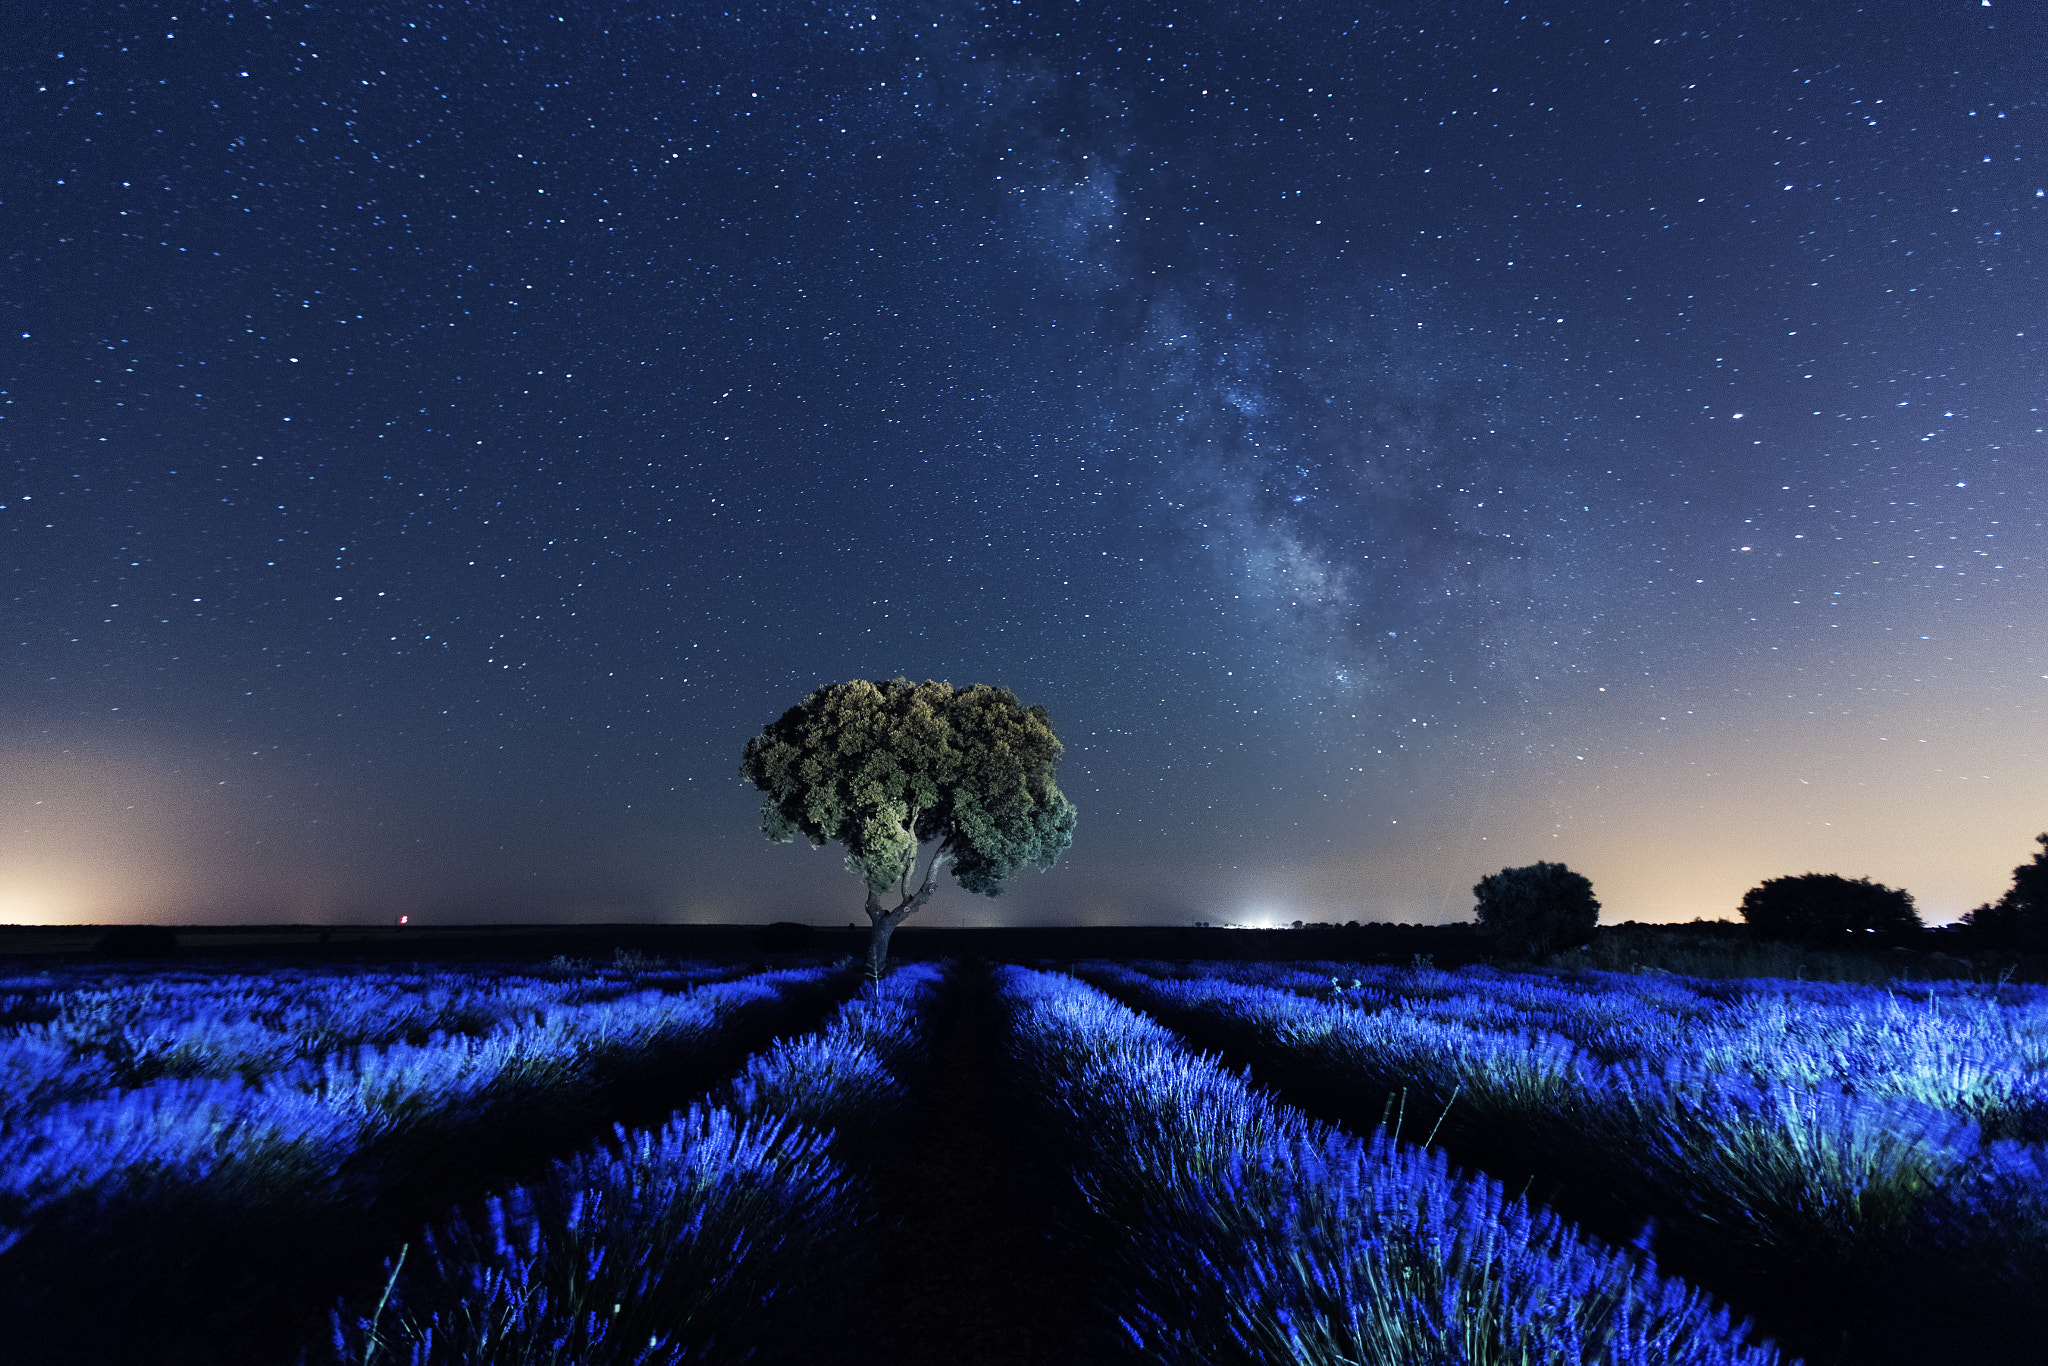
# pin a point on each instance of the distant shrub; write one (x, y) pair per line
(2019, 919)
(1815, 907)
(1710, 953)
(137, 941)
(1537, 910)
(785, 936)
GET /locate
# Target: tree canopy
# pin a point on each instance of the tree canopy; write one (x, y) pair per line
(887, 768)
(1819, 906)
(1536, 910)
(2018, 919)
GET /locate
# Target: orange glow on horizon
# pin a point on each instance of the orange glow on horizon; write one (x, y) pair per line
(26, 904)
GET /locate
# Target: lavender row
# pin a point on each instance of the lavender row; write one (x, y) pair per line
(294, 1176)
(1244, 1230)
(673, 1244)
(1795, 1193)
(70, 1037)
(1978, 1051)
(306, 1122)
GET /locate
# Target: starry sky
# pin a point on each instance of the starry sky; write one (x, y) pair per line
(1393, 441)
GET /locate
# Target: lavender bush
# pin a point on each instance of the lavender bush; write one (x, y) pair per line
(670, 1245)
(347, 1117)
(69, 1035)
(129, 1217)
(1805, 1144)
(1250, 1233)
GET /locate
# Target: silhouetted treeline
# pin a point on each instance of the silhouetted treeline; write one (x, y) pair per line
(2019, 919)
(1990, 945)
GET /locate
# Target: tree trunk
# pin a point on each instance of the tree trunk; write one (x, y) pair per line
(885, 923)
(878, 946)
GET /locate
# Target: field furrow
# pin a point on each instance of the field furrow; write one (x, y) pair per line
(974, 1260)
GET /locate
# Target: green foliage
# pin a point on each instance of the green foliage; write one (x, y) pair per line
(882, 767)
(1816, 907)
(1536, 910)
(1811, 1171)
(2018, 919)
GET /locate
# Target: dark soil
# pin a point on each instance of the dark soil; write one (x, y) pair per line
(971, 1263)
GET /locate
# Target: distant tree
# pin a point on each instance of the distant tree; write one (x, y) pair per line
(1536, 910)
(2018, 919)
(889, 769)
(1815, 907)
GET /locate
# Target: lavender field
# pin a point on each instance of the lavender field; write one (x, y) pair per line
(661, 1162)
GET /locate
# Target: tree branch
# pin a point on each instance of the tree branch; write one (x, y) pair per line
(910, 859)
(931, 869)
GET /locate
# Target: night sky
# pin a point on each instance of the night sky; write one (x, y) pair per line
(1394, 442)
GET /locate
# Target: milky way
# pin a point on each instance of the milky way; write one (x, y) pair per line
(1393, 443)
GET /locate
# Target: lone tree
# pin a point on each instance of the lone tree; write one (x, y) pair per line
(1822, 906)
(2019, 919)
(889, 769)
(1536, 910)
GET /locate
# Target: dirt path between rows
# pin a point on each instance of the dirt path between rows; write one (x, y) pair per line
(973, 1269)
